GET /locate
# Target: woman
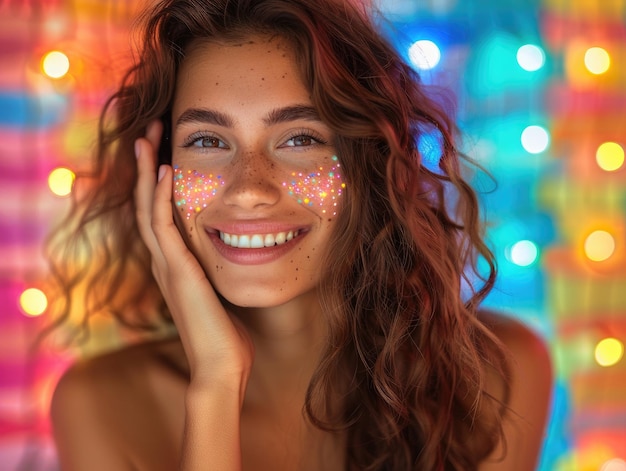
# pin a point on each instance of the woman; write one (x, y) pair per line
(309, 262)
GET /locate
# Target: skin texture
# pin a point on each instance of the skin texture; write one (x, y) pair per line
(229, 393)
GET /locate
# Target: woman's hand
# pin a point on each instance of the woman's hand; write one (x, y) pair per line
(216, 345)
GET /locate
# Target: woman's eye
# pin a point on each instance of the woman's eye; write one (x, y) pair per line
(209, 141)
(204, 141)
(302, 140)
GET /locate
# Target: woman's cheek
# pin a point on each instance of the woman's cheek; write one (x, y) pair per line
(319, 189)
(193, 190)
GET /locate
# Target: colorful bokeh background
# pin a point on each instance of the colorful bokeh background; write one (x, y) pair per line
(540, 93)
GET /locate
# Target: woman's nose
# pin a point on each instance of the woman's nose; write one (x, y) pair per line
(252, 182)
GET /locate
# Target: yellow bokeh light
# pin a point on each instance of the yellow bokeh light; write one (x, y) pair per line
(609, 351)
(33, 302)
(60, 181)
(597, 60)
(599, 246)
(55, 64)
(610, 156)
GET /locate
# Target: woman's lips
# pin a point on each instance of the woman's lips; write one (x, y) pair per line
(254, 248)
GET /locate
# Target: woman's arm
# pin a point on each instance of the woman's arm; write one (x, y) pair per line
(531, 386)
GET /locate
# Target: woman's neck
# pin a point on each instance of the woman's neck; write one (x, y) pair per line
(288, 341)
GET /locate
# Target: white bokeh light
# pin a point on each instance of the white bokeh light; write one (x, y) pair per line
(424, 54)
(535, 139)
(55, 64)
(530, 57)
(524, 253)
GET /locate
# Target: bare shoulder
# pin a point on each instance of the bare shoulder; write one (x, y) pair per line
(520, 340)
(127, 370)
(530, 380)
(102, 403)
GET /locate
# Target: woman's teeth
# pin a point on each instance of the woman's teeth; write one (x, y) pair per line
(257, 241)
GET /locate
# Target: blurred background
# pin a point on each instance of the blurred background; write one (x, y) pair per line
(540, 94)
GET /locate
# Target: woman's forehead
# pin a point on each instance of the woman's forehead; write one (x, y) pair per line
(276, 41)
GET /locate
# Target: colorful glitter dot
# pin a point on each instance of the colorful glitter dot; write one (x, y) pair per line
(196, 188)
(317, 188)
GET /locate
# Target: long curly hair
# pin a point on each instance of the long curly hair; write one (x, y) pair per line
(406, 345)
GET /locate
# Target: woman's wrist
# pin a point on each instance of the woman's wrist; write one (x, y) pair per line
(202, 390)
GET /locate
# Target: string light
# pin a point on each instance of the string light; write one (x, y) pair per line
(55, 64)
(424, 54)
(523, 253)
(530, 57)
(60, 181)
(597, 60)
(599, 246)
(33, 302)
(610, 156)
(535, 139)
(609, 351)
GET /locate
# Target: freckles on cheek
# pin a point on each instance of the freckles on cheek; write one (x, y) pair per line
(193, 190)
(321, 188)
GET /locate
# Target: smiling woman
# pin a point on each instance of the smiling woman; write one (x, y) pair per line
(258, 184)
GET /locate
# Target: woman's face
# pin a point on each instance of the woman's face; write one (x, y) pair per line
(257, 184)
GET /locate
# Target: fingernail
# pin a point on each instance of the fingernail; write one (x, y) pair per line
(137, 149)
(161, 173)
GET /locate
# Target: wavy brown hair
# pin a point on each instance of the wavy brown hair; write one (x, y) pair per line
(408, 350)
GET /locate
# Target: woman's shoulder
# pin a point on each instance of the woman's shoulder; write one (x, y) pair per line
(530, 381)
(124, 368)
(114, 379)
(527, 357)
(103, 404)
(522, 343)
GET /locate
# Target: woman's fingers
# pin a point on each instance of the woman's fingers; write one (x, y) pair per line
(163, 225)
(154, 132)
(144, 188)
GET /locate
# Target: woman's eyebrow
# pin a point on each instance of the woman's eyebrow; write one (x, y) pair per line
(291, 113)
(205, 115)
(275, 116)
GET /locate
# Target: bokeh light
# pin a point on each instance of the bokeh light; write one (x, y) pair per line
(597, 60)
(610, 156)
(424, 54)
(33, 302)
(524, 253)
(55, 64)
(609, 351)
(535, 139)
(531, 57)
(599, 246)
(615, 464)
(60, 181)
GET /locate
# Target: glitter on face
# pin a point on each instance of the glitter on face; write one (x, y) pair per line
(319, 188)
(193, 190)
